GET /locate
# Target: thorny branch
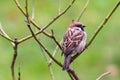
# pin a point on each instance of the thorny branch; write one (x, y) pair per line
(98, 30)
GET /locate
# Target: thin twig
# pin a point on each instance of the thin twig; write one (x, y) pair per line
(81, 13)
(54, 52)
(46, 50)
(14, 58)
(70, 72)
(19, 74)
(4, 34)
(15, 44)
(103, 75)
(29, 26)
(34, 23)
(31, 20)
(24, 13)
(59, 6)
(98, 29)
(103, 23)
(33, 10)
(53, 37)
(54, 19)
(51, 73)
(83, 10)
(49, 67)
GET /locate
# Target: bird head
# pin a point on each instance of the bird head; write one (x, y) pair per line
(76, 24)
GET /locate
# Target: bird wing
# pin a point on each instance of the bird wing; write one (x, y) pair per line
(71, 41)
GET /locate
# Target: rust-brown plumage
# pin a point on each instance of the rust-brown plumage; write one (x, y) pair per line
(73, 42)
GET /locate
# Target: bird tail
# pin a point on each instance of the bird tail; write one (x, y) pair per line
(66, 62)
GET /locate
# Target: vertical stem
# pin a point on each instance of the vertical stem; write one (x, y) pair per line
(19, 74)
(14, 58)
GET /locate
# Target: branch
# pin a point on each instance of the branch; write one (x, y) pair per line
(59, 6)
(45, 49)
(70, 71)
(14, 58)
(103, 75)
(73, 74)
(103, 23)
(4, 34)
(51, 73)
(33, 22)
(54, 19)
(54, 52)
(33, 10)
(53, 37)
(24, 13)
(19, 74)
(58, 46)
(98, 30)
(70, 76)
(83, 10)
(81, 13)
(29, 26)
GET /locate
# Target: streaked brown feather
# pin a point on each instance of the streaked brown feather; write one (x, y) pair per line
(71, 40)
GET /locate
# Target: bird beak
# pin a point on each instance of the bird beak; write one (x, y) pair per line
(83, 25)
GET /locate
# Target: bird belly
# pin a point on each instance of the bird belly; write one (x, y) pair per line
(80, 47)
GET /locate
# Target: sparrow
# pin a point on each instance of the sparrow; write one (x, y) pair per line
(74, 41)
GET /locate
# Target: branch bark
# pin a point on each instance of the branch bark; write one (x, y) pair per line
(4, 34)
(103, 75)
(36, 25)
(83, 10)
(14, 58)
(98, 29)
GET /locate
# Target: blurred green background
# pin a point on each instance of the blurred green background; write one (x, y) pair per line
(103, 55)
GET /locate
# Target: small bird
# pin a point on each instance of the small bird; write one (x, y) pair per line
(74, 42)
